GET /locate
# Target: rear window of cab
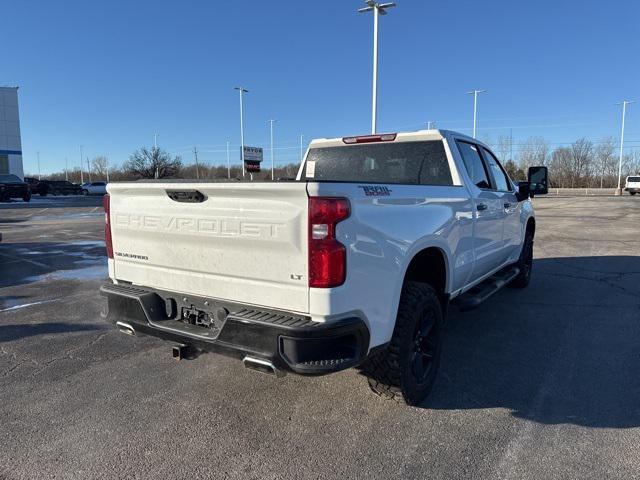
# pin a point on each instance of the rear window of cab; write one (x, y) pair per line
(411, 163)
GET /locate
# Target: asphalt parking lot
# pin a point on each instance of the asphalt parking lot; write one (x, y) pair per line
(539, 383)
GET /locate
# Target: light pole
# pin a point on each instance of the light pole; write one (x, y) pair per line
(228, 162)
(89, 169)
(38, 155)
(81, 176)
(430, 124)
(241, 90)
(624, 104)
(155, 140)
(271, 125)
(66, 169)
(378, 9)
(195, 156)
(475, 108)
(301, 148)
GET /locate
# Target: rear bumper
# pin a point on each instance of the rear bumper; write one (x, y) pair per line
(291, 342)
(632, 189)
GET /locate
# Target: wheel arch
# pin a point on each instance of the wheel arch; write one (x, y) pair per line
(430, 265)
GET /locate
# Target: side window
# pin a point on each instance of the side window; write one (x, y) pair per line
(501, 180)
(473, 164)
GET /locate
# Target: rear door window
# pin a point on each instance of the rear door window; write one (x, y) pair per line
(412, 163)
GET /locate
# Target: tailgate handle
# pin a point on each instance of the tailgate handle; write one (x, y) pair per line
(186, 196)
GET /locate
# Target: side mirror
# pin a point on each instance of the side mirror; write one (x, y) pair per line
(538, 181)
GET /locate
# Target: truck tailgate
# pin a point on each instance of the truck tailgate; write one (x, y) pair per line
(245, 242)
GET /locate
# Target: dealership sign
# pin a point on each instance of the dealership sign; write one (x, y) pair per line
(252, 158)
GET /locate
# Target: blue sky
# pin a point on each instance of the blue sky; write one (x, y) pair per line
(108, 75)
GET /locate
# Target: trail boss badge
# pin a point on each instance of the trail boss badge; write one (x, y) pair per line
(375, 190)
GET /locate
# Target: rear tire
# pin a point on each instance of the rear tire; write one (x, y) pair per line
(406, 371)
(85, 192)
(525, 263)
(27, 197)
(632, 193)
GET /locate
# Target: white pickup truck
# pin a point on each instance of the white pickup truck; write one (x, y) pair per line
(352, 265)
(632, 184)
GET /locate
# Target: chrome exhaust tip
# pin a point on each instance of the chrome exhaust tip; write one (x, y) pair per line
(125, 328)
(262, 365)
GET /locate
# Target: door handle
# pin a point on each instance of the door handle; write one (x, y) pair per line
(507, 205)
(481, 206)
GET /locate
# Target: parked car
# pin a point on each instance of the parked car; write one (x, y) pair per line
(37, 187)
(12, 187)
(62, 187)
(94, 188)
(632, 184)
(352, 265)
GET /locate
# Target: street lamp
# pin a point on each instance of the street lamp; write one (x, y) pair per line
(475, 108)
(624, 104)
(241, 90)
(228, 162)
(81, 177)
(271, 125)
(378, 9)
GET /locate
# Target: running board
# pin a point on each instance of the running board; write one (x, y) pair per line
(478, 294)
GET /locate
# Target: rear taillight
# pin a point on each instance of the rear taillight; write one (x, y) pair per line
(106, 203)
(327, 256)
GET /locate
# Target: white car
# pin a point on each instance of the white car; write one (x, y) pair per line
(94, 188)
(632, 184)
(352, 265)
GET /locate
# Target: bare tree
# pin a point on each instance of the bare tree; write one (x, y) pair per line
(152, 163)
(581, 162)
(534, 151)
(99, 166)
(561, 166)
(605, 159)
(504, 148)
(514, 172)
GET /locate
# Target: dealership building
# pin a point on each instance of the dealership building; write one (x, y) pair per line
(10, 144)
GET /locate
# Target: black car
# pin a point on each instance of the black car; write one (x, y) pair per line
(12, 187)
(62, 187)
(37, 187)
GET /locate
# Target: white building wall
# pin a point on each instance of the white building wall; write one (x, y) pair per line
(10, 143)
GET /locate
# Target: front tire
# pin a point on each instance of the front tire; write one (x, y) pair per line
(525, 263)
(85, 192)
(406, 371)
(632, 193)
(27, 197)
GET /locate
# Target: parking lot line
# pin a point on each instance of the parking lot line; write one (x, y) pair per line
(33, 262)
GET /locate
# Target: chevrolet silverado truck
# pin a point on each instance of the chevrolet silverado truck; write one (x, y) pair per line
(352, 265)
